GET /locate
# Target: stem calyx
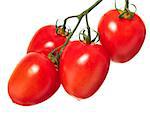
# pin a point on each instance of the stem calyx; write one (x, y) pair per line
(126, 13)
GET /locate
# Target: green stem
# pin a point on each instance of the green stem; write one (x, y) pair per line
(80, 16)
(88, 41)
(70, 35)
(65, 21)
(127, 4)
(90, 8)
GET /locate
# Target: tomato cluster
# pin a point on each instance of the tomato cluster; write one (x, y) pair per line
(81, 66)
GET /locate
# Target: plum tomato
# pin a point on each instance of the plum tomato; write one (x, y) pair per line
(121, 37)
(83, 68)
(34, 80)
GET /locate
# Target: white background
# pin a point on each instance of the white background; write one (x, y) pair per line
(125, 93)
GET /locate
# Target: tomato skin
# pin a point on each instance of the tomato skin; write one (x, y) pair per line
(33, 80)
(45, 40)
(122, 38)
(83, 68)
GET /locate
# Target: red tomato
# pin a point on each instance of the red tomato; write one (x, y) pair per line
(45, 40)
(83, 68)
(122, 38)
(33, 80)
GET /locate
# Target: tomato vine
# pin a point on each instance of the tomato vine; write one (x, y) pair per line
(54, 58)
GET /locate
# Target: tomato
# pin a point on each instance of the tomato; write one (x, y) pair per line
(45, 40)
(33, 80)
(83, 68)
(122, 38)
